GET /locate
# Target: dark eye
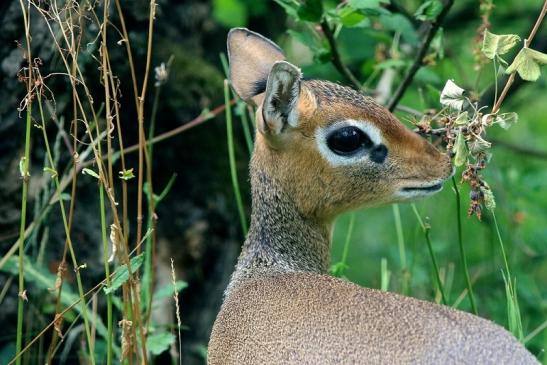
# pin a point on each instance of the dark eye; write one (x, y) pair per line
(348, 140)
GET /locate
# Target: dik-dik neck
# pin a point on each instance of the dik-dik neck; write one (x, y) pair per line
(281, 239)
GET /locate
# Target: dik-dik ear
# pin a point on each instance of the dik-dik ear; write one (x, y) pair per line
(251, 58)
(280, 106)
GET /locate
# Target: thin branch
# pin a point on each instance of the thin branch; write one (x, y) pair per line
(335, 56)
(432, 28)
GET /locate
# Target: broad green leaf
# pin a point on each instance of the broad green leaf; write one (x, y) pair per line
(122, 273)
(168, 290)
(311, 10)
(90, 172)
(506, 120)
(231, 13)
(126, 174)
(349, 17)
(527, 63)
(453, 96)
(159, 342)
(461, 150)
(429, 10)
(497, 44)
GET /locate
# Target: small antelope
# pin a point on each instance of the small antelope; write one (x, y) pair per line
(323, 149)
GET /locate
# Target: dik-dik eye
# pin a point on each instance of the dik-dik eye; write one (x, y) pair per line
(348, 140)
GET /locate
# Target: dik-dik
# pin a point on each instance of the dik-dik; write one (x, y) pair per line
(323, 149)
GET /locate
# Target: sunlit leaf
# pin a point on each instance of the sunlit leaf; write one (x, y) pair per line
(453, 96)
(461, 150)
(527, 63)
(90, 172)
(497, 44)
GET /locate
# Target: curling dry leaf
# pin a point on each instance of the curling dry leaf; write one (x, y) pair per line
(527, 63)
(452, 95)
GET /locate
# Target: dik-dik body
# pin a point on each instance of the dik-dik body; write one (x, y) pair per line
(322, 149)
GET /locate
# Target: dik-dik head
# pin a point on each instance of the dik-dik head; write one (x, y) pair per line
(330, 148)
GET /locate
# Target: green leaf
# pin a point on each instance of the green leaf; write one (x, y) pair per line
(122, 274)
(159, 342)
(527, 63)
(90, 172)
(349, 17)
(168, 290)
(126, 174)
(494, 45)
(310, 10)
(461, 150)
(506, 120)
(230, 13)
(290, 6)
(429, 10)
(398, 23)
(453, 96)
(462, 119)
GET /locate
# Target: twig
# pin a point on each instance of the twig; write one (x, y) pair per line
(432, 28)
(527, 42)
(335, 56)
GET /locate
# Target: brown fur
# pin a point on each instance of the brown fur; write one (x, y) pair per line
(280, 307)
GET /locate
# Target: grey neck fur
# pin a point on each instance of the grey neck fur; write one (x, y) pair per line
(280, 238)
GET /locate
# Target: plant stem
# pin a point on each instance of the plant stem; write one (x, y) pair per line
(24, 195)
(231, 156)
(426, 228)
(462, 250)
(348, 239)
(67, 232)
(401, 245)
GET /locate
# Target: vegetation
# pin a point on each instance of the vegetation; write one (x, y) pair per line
(103, 221)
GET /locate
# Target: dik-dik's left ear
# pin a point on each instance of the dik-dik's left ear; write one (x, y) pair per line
(280, 106)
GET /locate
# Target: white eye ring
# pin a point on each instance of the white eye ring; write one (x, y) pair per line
(321, 135)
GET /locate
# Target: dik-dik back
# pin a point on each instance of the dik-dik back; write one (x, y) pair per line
(322, 149)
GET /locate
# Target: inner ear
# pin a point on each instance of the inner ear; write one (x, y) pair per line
(280, 107)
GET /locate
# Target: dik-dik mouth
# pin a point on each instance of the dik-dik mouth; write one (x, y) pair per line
(423, 189)
(420, 190)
